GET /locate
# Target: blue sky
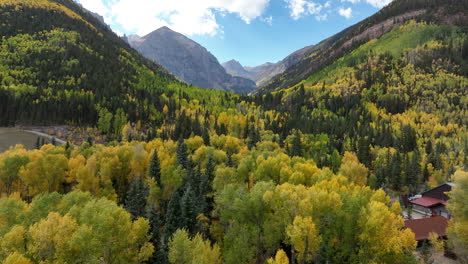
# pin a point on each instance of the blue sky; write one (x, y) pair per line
(250, 31)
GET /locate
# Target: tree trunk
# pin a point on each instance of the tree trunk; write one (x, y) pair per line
(306, 249)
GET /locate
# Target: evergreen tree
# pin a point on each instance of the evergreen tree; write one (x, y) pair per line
(380, 178)
(364, 153)
(182, 155)
(254, 138)
(159, 255)
(407, 173)
(206, 137)
(188, 212)
(53, 141)
(396, 171)
(415, 169)
(210, 168)
(173, 215)
(408, 141)
(154, 171)
(296, 149)
(135, 200)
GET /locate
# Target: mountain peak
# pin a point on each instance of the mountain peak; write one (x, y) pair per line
(233, 64)
(165, 28)
(189, 61)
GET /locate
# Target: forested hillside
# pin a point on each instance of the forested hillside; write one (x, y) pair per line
(307, 174)
(59, 64)
(451, 12)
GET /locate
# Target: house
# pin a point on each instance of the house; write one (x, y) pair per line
(423, 227)
(434, 201)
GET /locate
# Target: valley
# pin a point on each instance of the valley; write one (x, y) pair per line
(163, 155)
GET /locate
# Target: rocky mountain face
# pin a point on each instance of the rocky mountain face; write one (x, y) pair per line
(188, 60)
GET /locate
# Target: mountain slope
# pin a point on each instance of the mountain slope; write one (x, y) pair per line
(189, 61)
(60, 65)
(395, 14)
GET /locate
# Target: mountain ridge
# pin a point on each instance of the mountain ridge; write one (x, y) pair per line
(396, 13)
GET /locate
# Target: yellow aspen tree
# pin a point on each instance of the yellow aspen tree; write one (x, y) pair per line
(353, 170)
(280, 258)
(17, 258)
(304, 237)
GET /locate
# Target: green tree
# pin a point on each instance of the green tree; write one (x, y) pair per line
(173, 215)
(154, 171)
(135, 201)
(104, 121)
(188, 209)
(182, 155)
(296, 148)
(9, 171)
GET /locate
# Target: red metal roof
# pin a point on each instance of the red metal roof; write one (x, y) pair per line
(428, 201)
(422, 227)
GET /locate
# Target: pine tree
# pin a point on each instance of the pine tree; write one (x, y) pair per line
(188, 213)
(408, 138)
(173, 215)
(159, 255)
(182, 155)
(396, 172)
(254, 138)
(415, 168)
(364, 153)
(135, 201)
(153, 216)
(206, 137)
(296, 149)
(154, 171)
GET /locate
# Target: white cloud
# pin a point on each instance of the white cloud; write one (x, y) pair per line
(375, 3)
(96, 6)
(348, 12)
(379, 3)
(268, 20)
(321, 17)
(190, 17)
(300, 8)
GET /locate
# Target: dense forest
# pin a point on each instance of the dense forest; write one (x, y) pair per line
(307, 174)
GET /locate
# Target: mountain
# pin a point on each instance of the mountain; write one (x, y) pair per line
(314, 59)
(60, 65)
(234, 68)
(189, 61)
(263, 73)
